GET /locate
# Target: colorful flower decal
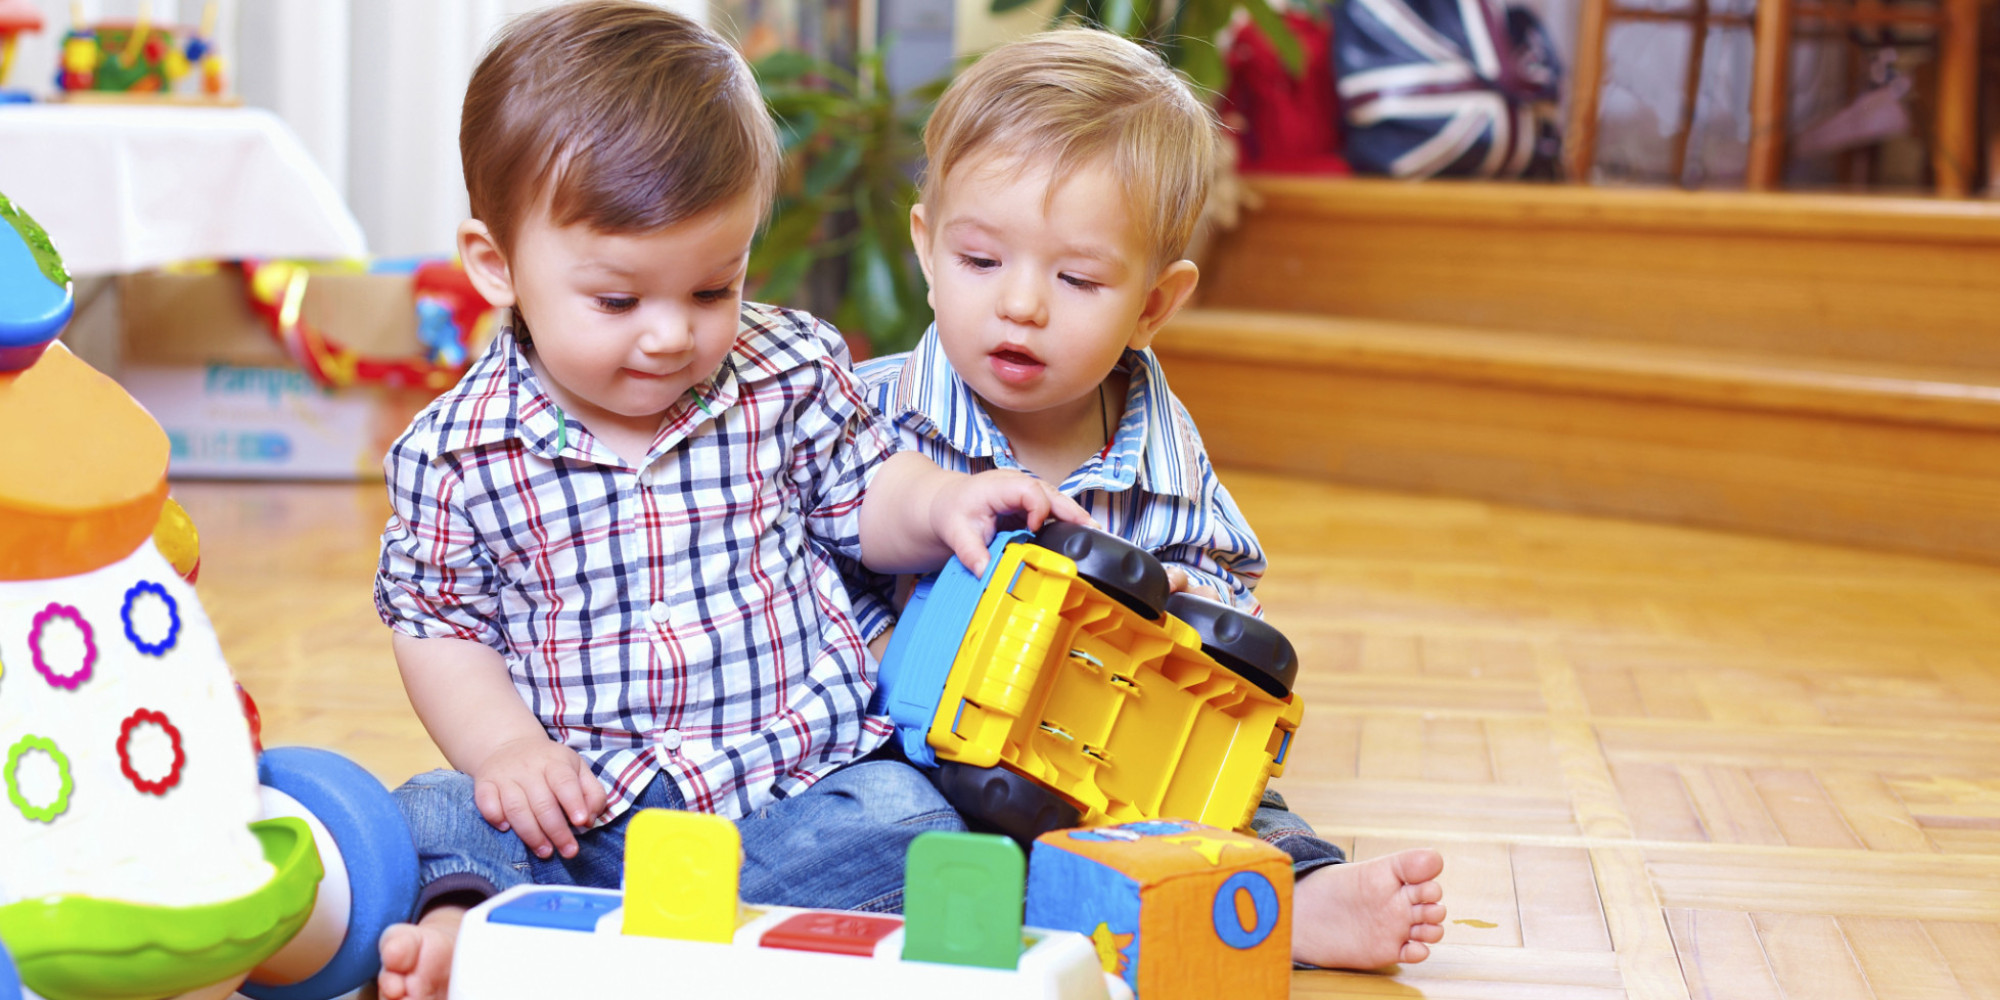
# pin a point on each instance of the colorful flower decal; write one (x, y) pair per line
(159, 719)
(173, 612)
(60, 805)
(68, 682)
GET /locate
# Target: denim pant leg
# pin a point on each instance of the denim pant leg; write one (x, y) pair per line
(463, 858)
(458, 852)
(841, 843)
(1278, 826)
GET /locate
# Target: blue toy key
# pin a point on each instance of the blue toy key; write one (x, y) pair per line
(559, 909)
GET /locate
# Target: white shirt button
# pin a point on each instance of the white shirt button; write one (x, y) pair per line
(658, 613)
(671, 739)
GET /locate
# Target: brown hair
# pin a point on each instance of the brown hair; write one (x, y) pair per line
(629, 118)
(1071, 97)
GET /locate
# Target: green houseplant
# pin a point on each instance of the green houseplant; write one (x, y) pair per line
(840, 230)
(1182, 31)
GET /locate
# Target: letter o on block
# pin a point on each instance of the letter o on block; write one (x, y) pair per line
(1263, 901)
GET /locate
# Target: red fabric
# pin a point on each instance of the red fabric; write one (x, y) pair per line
(1284, 125)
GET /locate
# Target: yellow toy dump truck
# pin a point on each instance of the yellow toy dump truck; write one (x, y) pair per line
(1066, 687)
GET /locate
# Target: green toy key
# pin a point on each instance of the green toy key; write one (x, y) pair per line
(962, 900)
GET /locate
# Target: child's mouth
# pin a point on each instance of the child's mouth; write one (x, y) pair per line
(1014, 367)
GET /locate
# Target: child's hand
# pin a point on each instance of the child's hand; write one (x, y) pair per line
(966, 512)
(1180, 582)
(539, 789)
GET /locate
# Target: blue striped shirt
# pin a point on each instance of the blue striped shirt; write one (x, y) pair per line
(1153, 486)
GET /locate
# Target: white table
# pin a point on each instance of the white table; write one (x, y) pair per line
(123, 188)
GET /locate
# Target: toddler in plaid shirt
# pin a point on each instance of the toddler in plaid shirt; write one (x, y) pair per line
(1066, 172)
(610, 566)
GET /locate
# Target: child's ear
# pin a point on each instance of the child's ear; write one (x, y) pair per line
(1169, 293)
(485, 265)
(920, 237)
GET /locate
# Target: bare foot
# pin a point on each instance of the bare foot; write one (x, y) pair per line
(416, 958)
(1368, 914)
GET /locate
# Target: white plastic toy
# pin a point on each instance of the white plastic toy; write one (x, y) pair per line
(679, 927)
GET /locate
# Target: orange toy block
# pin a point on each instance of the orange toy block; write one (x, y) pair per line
(1176, 909)
(83, 470)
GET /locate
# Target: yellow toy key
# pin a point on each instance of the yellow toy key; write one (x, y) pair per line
(681, 872)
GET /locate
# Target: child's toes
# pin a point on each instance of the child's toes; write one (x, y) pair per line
(1430, 913)
(1418, 865)
(1427, 933)
(1414, 952)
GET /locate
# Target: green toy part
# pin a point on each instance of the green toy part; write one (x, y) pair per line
(37, 239)
(84, 948)
(962, 900)
(44, 813)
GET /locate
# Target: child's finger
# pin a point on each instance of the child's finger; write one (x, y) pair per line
(595, 799)
(1062, 508)
(549, 814)
(968, 543)
(486, 795)
(521, 817)
(568, 790)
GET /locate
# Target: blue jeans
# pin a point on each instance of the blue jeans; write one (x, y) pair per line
(837, 845)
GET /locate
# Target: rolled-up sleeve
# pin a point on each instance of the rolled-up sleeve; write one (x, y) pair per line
(435, 579)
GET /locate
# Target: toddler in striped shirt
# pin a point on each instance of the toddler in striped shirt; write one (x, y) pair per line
(1066, 173)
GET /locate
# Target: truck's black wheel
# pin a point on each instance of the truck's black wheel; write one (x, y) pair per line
(1125, 572)
(1244, 643)
(996, 800)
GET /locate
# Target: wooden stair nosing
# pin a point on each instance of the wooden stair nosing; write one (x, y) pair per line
(1927, 395)
(1867, 218)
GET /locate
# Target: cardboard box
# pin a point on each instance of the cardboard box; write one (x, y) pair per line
(234, 405)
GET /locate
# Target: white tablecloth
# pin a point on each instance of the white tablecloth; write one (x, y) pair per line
(124, 188)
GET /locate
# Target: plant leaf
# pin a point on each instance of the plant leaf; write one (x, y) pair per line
(1273, 25)
(1203, 65)
(1118, 17)
(796, 129)
(832, 168)
(871, 285)
(778, 286)
(1003, 6)
(792, 229)
(783, 66)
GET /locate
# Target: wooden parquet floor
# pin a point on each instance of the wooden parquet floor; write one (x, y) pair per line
(1661, 762)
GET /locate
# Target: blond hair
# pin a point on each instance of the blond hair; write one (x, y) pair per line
(1072, 97)
(627, 117)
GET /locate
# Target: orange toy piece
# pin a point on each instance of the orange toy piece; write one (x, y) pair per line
(83, 470)
(1178, 910)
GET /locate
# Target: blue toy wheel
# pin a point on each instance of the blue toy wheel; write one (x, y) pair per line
(10, 980)
(374, 842)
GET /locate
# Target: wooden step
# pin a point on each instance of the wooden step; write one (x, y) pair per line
(1896, 280)
(1903, 456)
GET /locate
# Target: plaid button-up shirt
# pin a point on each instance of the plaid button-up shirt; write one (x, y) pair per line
(1153, 486)
(684, 616)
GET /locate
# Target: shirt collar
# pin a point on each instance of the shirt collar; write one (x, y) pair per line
(501, 399)
(1155, 446)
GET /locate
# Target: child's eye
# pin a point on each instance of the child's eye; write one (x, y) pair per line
(1083, 284)
(616, 303)
(711, 296)
(977, 263)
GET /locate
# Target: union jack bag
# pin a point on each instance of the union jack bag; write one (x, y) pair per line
(1455, 88)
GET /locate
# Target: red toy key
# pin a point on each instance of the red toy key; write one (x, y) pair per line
(834, 933)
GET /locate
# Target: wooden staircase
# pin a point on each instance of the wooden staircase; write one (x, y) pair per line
(1816, 366)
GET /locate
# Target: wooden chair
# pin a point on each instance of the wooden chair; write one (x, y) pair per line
(1954, 149)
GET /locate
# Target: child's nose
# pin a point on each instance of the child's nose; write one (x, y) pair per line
(670, 333)
(1022, 301)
